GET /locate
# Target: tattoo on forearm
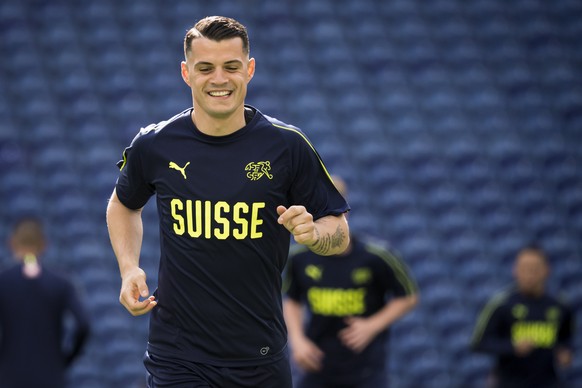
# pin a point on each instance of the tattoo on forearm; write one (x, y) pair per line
(324, 244)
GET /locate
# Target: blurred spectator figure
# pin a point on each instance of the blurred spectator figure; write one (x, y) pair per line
(351, 300)
(34, 303)
(529, 331)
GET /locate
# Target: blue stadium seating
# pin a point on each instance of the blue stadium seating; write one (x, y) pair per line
(474, 371)
(419, 248)
(458, 127)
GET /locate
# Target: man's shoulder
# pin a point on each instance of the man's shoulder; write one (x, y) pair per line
(7, 269)
(505, 296)
(375, 246)
(151, 131)
(366, 240)
(278, 125)
(559, 298)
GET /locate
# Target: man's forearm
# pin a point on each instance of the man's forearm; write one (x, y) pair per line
(332, 235)
(496, 346)
(125, 232)
(393, 311)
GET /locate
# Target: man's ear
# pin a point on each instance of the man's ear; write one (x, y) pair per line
(184, 72)
(251, 69)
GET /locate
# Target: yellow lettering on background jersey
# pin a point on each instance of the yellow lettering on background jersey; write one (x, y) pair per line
(542, 334)
(217, 220)
(337, 301)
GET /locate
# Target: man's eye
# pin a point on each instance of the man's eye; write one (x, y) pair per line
(204, 69)
(232, 68)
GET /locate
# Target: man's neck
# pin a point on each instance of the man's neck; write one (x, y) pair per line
(218, 126)
(533, 293)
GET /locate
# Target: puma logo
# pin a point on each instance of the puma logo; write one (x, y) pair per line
(181, 169)
(314, 272)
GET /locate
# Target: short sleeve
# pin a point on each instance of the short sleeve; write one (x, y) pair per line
(398, 278)
(132, 187)
(312, 184)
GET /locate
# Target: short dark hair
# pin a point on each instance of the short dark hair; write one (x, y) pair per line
(28, 232)
(217, 28)
(536, 248)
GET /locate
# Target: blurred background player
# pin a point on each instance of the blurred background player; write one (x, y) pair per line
(352, 299)
(34, 304)
(528, 330)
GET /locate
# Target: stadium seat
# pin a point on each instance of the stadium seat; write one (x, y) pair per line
(22, 204)
(357, 11)
(401, 103)
(500, 222)
(319, 9)
(12, 155)
(432, 273)
(455, 224)
(355, 99)
(457, 336)
(403, 224)
(429, 370)
(573, 295)
(431, 174)
(88, 253)
(507, 244)
(477, 270)
(396, 200)
(464, 54)
(466, 246)
(434, 80)
(86, 374)
(47, 133)
(474, 370)
(487, 196)
(419, 247)
(418, 151)
(567, 270)
(61, 182)
(532, 200)
(443, 199)
(451, 125)
(440, 292)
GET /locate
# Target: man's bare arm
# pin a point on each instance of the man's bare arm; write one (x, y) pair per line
(126, 233)
(329, 235)
(332, 235)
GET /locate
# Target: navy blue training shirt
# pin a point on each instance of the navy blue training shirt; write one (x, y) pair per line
(357, 283)
(222, 250)
(510, 317)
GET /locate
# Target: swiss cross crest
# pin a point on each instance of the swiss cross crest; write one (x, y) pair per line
(256, 170)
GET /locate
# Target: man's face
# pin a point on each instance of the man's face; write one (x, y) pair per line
(218, 74)
(530, 272)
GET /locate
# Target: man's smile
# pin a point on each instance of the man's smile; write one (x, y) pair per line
(220, 93)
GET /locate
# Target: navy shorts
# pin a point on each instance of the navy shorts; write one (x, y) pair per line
(166, 373)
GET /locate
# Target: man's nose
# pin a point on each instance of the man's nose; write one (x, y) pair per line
(219, 76)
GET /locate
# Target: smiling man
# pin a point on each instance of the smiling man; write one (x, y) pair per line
(231, 186)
